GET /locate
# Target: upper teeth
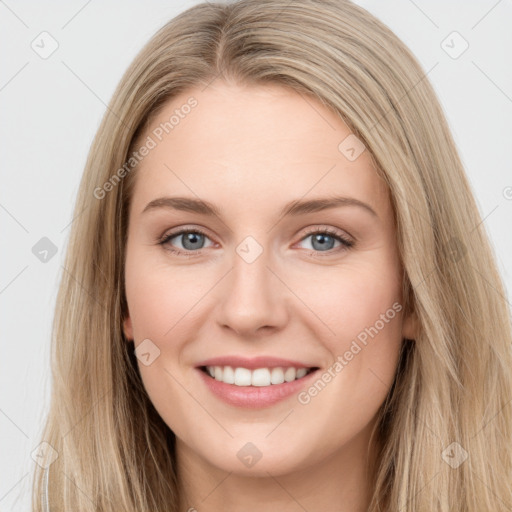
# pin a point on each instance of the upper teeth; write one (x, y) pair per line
(258, 377)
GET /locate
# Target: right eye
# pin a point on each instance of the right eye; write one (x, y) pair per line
(191, 240)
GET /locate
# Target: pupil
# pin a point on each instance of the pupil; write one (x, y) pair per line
(192, 238)
(320, 238)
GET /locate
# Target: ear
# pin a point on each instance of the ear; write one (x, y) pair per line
(410, 326)
(127, 328)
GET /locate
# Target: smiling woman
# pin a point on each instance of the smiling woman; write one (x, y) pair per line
(285, 304)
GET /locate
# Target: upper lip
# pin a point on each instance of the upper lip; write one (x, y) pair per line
(253, 363)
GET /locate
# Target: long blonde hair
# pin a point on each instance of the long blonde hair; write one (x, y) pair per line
(446, 425)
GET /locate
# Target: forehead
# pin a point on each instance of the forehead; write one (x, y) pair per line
(250, 143)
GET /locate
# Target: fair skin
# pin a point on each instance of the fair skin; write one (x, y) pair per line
(249, 151)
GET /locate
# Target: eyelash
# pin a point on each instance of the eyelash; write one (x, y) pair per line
(345, 242)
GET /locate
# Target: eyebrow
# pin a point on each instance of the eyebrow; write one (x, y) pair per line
(293, 208)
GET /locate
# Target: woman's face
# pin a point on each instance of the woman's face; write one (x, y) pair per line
(298, 263)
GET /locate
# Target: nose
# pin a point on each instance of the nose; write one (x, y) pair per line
(253, 299)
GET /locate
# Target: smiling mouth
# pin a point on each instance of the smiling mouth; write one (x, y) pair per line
(260, 377)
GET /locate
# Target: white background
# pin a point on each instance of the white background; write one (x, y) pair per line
(51, 108)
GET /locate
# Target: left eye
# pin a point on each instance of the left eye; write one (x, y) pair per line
(323, 241)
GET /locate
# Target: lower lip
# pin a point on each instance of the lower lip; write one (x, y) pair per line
(254, 396)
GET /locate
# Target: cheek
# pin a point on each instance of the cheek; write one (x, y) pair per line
(158, 297)
(354, 297)
(365, 317)
(361, 305)
(160, 300)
